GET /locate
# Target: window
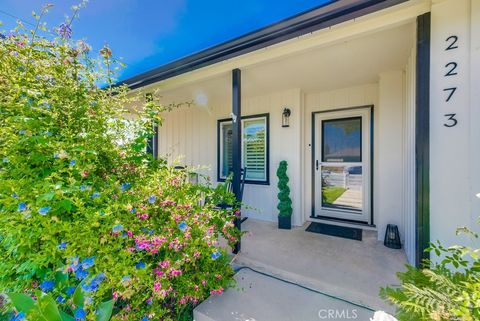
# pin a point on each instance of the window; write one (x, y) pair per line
(254, 148)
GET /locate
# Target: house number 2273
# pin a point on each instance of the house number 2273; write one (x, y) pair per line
(450, 71)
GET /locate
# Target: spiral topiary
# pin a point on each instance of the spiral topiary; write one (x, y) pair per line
(285, 203)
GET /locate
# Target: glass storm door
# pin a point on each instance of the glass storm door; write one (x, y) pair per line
(342, 165)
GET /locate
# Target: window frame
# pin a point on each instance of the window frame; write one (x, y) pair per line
(220, 122)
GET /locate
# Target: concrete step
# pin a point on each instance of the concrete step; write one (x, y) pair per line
(326, 285)
(258, 297)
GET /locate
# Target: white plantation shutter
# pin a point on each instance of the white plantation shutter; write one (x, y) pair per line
(226, 143)
(255, 148)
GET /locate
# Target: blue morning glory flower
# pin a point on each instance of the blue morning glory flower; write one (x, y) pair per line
(140, 265)
(83, 188)
(72, 162)
(117, 228)
(215, 255)
(14, 195)
(152, 199)
(183, 226)
(133, 210)
(60, 299)
(6, 160)
(44, 210)
(80, 314)
(81, 274)
(22, 207)
(126, 278)
(21, 132)
(70, 290)
(88, 262)
(47, 286)
(94, 284)
(126, 187)
(95, 195)
(62, 246)
(145, 318)
(20, 316)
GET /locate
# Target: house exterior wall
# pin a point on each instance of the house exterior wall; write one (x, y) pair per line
(189, 136)
(454, 151)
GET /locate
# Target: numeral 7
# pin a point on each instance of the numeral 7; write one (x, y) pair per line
(452, 90)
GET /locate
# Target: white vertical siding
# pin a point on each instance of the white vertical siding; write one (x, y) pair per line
(409, 199)
(189, 137)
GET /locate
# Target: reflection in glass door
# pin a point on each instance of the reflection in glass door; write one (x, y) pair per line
(342, 165)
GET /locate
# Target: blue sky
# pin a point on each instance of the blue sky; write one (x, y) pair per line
(149, 33)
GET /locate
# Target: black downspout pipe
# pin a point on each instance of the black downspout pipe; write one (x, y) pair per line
(237, 144)
(422, 139)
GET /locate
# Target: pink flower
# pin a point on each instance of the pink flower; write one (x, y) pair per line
(158, 272)
(217, 291)
(84, 174)
(143, 216)
(130, 233)
(204, 282)
(175, 272)
(157, 286)
(115, 295)
(164, 264)
(196, 254)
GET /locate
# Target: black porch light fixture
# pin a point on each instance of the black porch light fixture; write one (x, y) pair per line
(286, 117)
(392, 237)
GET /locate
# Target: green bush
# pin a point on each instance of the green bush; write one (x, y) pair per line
(285, 203)
(80, 196)
(448, 290)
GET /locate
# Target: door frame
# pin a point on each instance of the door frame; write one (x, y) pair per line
(371, 152)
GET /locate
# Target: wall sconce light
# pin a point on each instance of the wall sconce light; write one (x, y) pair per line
(286, 117)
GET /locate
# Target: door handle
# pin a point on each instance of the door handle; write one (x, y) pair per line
(316, 164)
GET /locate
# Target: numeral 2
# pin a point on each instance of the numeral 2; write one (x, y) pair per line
(451, 72)
(452, 119)
(452, 40)
(450, 95)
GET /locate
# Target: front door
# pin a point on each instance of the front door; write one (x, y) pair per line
(342, 164)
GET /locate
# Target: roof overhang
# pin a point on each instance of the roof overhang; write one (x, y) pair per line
(319, 18)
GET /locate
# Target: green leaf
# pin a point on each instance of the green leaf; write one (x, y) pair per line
(66, 204)
(66, 316)
(48, 308)
(47, 196)
(22, 302)
(104, 311)
(78, 296)
(61, 278)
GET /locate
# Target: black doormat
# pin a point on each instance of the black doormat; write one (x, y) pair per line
(335, 230)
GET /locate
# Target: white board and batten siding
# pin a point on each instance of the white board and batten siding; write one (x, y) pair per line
(189, 135)
(454, 118)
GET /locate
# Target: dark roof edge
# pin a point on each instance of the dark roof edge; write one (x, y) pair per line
(321, 17)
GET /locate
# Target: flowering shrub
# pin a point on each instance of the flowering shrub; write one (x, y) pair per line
(81, 198)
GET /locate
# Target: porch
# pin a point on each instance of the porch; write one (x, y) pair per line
(346, 269)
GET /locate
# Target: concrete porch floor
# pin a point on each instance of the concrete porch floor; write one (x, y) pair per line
(353, 270)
